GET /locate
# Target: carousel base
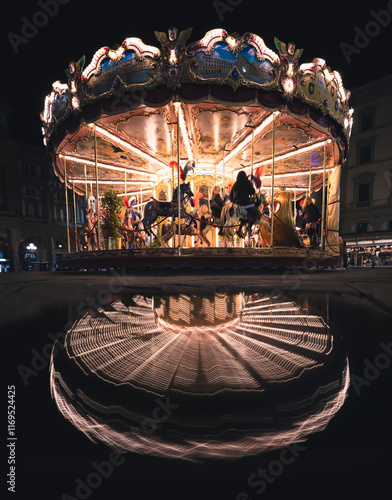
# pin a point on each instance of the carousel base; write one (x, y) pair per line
(198, 258)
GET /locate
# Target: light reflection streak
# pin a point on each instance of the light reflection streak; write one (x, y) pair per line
(251, 376)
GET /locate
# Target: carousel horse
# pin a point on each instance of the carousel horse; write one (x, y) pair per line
(89, 239)
(141, 237)
(188, 228)
(128, 232)
(154, 208)
(232, 214)
(134, 235)
(205, 224)
(256, 240)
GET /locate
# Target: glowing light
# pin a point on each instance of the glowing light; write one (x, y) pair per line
(298, 173)
(140, 48)
(248, 138)
(183, 129)
(261, 343)
(231, 41)
(299, 151)
(116, 55)
(83, 161)
(173, 57)
(110, 181)
(288, 85)
(93, 66)
(116, 140)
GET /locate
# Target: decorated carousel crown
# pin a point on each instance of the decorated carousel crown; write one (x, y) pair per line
(237, 63)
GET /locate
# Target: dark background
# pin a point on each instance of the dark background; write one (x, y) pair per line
(352, 458)
(82, 27)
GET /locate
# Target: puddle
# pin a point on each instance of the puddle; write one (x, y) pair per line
(191, 377)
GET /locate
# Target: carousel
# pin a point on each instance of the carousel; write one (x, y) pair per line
(155, 138)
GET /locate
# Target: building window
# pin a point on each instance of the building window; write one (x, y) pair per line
(365, 154)
(31, 210)
(30, 191)
(390, 225)
(60, 196)
(364, 194)
(61, 214)
(362, 227)
(366, 122)
(29, 169)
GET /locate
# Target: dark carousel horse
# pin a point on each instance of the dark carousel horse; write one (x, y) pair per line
(154, 208)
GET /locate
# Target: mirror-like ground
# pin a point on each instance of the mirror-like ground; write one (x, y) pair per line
(64, 446)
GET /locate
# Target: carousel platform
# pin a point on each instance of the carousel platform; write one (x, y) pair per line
(198, 258)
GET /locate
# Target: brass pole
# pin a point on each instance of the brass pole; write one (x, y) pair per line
(97, 189)
(172, 143)
(252, 158)
(272, 184)
(74, 209)
(224, 175)
(295, 206)
(323, 202)
(66, 205)
(178, 182)
(85, 180)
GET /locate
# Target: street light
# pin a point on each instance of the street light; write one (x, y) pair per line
(31, 247)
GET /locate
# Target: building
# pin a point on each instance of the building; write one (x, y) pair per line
(366, 184)
(32, 203)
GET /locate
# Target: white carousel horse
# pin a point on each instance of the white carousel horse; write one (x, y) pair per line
(188, 228)
(205, 224)
(89, 234)
(134, 235)
(128, 232)
(141, 237)
(233, 214)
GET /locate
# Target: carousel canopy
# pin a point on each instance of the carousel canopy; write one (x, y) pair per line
(238, 104)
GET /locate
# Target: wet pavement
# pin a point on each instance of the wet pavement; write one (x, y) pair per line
(340, 434)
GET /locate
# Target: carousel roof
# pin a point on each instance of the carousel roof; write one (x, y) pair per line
(228, 93)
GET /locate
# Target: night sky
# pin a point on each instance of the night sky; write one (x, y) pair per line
(82, 27)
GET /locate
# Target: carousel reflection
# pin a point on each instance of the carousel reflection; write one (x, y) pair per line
(193, 377)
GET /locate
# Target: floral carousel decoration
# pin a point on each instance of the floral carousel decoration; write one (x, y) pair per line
(145, 120)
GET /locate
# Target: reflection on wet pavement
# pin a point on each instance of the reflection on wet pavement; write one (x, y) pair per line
(222, 376)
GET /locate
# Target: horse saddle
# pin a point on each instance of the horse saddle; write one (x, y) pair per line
(240, 210)
(164, 206)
